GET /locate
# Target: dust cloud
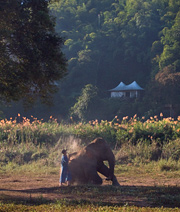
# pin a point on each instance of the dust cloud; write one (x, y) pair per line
(70, 143)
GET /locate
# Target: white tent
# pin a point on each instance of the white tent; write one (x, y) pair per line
(122, 90)
(118, 91)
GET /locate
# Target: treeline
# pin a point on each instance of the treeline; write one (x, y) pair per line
(118, 40)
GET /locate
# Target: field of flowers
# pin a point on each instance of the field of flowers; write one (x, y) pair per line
(116, 132)
(133, 138)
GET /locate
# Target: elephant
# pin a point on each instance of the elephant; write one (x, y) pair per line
(85, 164)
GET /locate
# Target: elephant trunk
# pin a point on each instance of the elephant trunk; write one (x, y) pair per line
(111, 161)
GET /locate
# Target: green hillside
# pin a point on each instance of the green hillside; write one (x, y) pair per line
(122, 40)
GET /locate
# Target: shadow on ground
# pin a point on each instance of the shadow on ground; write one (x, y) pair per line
(142, 196)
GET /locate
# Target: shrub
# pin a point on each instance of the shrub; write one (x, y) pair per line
(168, 165)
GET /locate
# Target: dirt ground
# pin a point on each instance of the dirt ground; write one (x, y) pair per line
(46, 187)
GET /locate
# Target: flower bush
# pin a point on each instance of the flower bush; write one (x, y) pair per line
(116, 132)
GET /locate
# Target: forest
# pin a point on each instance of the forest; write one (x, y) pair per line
(110, 41)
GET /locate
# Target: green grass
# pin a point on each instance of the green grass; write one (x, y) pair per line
(78, 207)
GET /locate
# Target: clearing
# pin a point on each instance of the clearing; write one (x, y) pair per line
(137, 190)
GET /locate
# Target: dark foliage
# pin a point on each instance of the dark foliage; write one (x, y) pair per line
(31, 59)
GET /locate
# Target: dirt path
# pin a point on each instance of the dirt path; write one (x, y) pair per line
(46, 187)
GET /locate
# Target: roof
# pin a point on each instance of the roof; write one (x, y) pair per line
(121, 86)
(131, 87)
(134, 86)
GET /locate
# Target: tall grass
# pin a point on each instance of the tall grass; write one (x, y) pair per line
(132, 138)
(116, 132)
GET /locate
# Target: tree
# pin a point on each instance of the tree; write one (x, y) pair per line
(169, 84)
(171, 42)
(31, 59)
(85, 103)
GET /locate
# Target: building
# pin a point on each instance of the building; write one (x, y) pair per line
(129, 91)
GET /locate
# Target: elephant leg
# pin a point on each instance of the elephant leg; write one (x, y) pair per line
(103, 169)
(93, 177)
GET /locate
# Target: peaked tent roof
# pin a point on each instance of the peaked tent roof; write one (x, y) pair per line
(134, 86)
(122, 87)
